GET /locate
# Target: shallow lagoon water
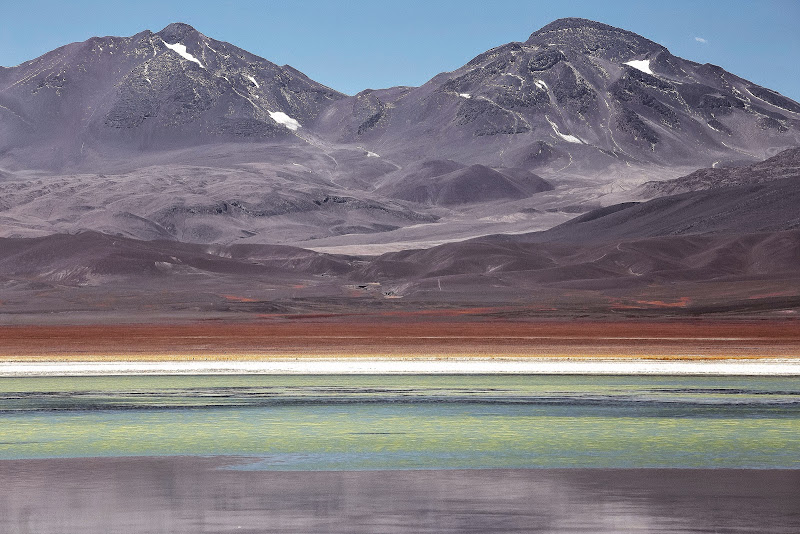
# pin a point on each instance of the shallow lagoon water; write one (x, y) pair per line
(363, 454)
(410, 421)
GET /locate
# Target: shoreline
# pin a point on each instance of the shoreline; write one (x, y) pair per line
(440, 346)
(412, 366)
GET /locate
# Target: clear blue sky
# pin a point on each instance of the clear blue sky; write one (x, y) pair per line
(356, 44)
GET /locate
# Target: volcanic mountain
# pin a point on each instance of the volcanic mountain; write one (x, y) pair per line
(130, 144)
(151, 91)
(578, 96)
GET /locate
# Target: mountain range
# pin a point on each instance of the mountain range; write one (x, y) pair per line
(586, 169)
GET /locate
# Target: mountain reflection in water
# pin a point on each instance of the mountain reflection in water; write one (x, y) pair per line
(200, 454)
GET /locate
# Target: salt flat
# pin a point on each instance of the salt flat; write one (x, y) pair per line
(566, 366)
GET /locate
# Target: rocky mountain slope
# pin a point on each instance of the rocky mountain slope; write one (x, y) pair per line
(176, 136)
(577, 96)
(783, 165)
(108, 97)
(732, 215)
(733, 249)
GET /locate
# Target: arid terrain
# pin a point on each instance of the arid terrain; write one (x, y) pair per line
(401, 336)
(556, 288)
(582, 192)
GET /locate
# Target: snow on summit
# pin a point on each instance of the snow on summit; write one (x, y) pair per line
(640, 64)
(180, 49)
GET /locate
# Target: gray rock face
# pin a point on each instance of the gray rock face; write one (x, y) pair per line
(595, 95)
(174, 135)
(577, 93)
(151, 91)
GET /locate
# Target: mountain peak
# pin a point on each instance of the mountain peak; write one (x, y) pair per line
(150, 91)
(177, 31)
(571, 23)
(591, 35)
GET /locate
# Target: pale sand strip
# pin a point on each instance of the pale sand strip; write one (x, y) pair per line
(729, 367)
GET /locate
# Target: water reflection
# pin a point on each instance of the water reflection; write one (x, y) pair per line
(193, 495)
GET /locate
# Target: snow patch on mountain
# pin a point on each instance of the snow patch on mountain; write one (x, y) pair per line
(180, 49)
(566, 137)
(254, 82)
(640, 64)
(369, 153)
(282, 118)
(465, 95)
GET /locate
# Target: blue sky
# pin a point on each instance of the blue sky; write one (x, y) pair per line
(354, 45)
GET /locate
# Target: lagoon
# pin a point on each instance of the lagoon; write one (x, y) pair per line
(399, 453)
(410, 421)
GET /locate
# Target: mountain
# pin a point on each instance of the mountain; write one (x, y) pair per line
(176, 136)
(111, 96)
(726, 214)
(761, 207)
(448, 183)
(783, 165)
(577, 96)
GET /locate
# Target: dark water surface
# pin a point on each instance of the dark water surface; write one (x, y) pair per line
(194, 495)
(399, 454)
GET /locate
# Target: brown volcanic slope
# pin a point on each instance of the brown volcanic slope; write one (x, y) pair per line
(764, 207)
(697, 251)
(89, 256)
(783, 165)
(721, 250)
(92, 277)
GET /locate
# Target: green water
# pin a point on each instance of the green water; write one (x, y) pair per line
(409, 422)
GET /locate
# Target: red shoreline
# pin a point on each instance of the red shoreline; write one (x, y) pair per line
(343, 336)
